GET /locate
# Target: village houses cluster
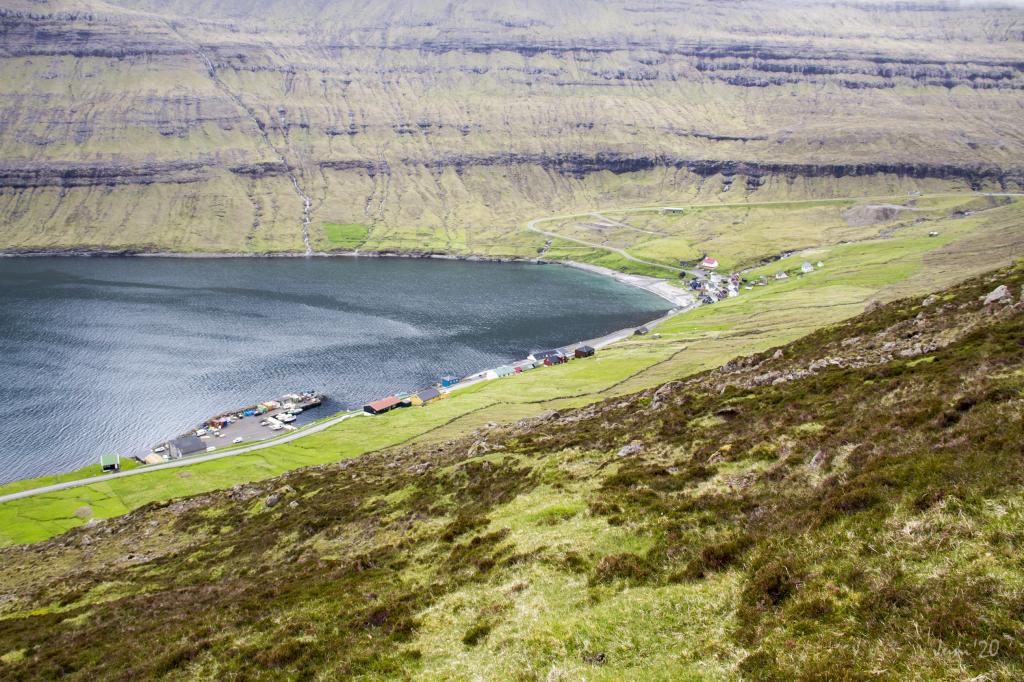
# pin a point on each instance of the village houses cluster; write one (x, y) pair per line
(711, 287)
(441, 389)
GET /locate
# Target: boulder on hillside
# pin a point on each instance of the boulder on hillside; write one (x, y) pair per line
(662, 394)
(422, 468)
(631, 449)
(1000, 294)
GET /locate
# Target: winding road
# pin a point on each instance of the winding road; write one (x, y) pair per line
(532, 225)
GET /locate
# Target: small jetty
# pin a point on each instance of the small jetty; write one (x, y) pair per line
(245, 424)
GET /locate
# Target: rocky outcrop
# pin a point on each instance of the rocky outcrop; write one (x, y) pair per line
(262, 169)
(85, 34)
(575, 165)
(1000, 294)
(579, 165)
(87, 175)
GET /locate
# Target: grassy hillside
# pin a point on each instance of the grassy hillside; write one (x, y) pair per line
(202, 126)
(845, 506)
(886, 260)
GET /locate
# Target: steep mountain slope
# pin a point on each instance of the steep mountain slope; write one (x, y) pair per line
(844, 507)
(192, 125)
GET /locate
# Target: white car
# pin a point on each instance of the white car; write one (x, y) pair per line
(210, 449)
(237, 440)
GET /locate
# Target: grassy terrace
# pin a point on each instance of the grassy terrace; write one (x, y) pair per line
(881, 260)
(349, 236)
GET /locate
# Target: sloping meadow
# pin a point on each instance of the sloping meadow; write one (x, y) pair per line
(847, 506)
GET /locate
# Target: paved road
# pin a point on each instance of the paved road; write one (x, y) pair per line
(627, 226)
(186, 461)
(532, 225)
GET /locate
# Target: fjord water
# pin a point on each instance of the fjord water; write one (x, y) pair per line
(115, 354)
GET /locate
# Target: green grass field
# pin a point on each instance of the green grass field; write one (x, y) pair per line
(348, 236)
(78, 474)
(740, 234)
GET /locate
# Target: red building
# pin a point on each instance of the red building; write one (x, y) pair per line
(383, 405)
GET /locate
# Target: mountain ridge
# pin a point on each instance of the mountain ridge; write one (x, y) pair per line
(191, 125)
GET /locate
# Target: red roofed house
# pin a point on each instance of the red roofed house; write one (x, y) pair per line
(383, 405)
(709, 263)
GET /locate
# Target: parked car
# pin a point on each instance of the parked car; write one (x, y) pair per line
(237, 440)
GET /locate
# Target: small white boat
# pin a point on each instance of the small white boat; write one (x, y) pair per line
(286, 418)
(160, 449)
(295, 410)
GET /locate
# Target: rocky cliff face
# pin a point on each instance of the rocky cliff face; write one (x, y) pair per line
(191, 126)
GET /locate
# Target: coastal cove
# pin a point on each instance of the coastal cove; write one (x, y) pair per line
(116, 354)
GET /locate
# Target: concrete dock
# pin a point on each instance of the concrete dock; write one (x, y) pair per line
(241, 428)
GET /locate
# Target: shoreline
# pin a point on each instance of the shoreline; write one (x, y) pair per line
(661, 287)
(98, 252)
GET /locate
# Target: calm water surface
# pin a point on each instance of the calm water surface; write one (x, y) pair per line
(114, 355)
